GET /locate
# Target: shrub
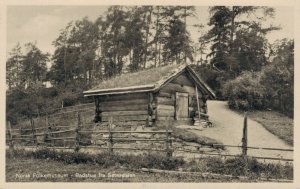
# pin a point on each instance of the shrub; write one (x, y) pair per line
(232, 166)
(104, 159)
(272, 87)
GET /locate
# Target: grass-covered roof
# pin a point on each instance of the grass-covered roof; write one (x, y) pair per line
(144, 80)
(143, 77)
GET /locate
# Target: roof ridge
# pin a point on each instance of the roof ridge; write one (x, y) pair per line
(159, 83)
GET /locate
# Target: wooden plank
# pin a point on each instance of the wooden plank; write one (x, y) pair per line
(124, 113)
(106, 131)
(165, 101)
(164, 118)
(172, 88)
(140, 107)
(164, 94)
(124, 102)
(165, 113)
(163, 122)
(123, 97)
(181, 106)
(126, 123)
(183, 80)
(165, 107)
(126, 118)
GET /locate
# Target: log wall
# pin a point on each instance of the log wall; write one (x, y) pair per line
(166, 101)
(124, 108)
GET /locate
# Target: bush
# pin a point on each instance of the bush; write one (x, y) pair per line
(245, 92)
(254, 169)
(157, 160)
(232, 166)
(49, 92)
(272, 87)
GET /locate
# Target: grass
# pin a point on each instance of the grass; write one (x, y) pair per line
(68, 165)
(277, 123)
(189, 136)
(22, 166)
(105, 160)
(143, 77)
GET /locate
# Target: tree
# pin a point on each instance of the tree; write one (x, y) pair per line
(114, 47)
(238, 44)
(34, 65)
(219, 36)
(278, 77)
(177, 43)
(76, 53)
(14, 67)
(137, 35)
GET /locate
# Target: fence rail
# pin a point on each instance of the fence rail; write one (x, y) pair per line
(110, 139)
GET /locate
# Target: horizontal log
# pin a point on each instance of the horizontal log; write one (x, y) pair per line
(183, 80)
(165, 113)
(140, 107)
(164, 94)
(165, 107)
(184, 119)
(106, 131)
(123, 97)
(124, 102)
(165, 118)
(125, 123)
(165, 101)
(64, 131)
(133, 140)
(172, 88)
(126, 118)
(124, 113)
(164, 122)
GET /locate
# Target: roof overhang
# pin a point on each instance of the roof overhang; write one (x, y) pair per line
(154, 87)
(201, 83)
(122, 90)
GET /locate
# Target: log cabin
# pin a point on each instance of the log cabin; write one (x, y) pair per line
(150, 97)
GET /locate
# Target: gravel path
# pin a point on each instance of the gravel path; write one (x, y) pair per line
(229, 127)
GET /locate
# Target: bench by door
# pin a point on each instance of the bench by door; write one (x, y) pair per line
(182, 106)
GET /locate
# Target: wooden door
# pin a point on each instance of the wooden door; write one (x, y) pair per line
(182, 106)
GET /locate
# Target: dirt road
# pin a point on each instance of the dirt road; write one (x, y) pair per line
(228, 130)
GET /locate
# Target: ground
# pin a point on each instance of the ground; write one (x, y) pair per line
(41, 170)
(228, 130)
(278, 124)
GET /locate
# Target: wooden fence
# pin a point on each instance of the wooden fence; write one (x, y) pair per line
(48, 132)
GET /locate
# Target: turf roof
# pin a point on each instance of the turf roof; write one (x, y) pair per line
(143, 77)
(144, 80)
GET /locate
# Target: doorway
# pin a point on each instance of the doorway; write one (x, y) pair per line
(182, 106)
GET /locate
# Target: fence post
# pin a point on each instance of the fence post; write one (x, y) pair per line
(245, 143)
(46, 127)
(11, 144)
(245, 138)
(168, 143)
(110, 137)
(33, 131)
(77, 146)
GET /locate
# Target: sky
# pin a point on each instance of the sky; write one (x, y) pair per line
(42, 24)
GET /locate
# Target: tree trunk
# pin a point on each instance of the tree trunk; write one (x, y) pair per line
(146, 42)
(156, 36)
(185, 9)
(65, 66)
(232, 29)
